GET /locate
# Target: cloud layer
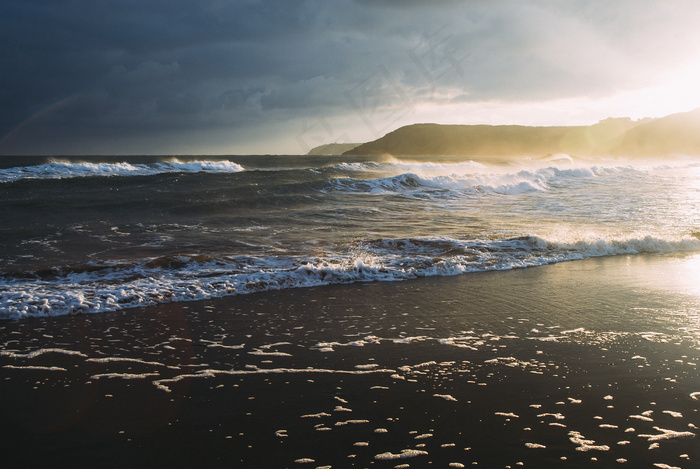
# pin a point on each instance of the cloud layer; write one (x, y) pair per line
(214, 76)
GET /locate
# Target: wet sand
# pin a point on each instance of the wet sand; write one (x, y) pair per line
(580, 364)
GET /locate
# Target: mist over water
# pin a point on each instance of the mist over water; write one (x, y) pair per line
(100, 234)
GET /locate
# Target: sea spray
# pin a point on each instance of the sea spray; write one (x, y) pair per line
(152, 281)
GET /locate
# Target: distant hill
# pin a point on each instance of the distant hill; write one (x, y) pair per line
(678, 133)
(332, 149)
(674, 134)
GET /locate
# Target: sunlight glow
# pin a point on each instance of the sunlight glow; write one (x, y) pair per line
(690, 275)
(678, 92)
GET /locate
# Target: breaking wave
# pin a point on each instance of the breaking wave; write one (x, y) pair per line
(63, 169)
(98, 288)
(421, 179)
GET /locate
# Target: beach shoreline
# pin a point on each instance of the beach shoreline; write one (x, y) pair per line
(547, 366)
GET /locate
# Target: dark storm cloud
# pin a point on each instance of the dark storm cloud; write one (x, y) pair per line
(80, 74)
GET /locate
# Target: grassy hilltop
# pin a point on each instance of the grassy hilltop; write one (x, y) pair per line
(674, 134)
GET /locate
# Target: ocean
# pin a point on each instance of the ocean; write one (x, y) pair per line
(88, 235)
(334, 311)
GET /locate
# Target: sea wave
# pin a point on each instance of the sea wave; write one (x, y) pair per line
(65, 169)
(431, 181)
(409, 166)
(101, 288)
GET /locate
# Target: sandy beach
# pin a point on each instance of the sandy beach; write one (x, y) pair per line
(588, 363)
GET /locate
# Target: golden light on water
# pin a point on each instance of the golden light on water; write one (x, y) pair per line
(689, 275)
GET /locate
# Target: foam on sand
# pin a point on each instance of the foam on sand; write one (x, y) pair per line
(210, 373)
(584, 444)
(642, 417)
(124, 375)
(404, 454)
(41, 351)
(123, 360)
(447, 397)
(35, 368)
(666, 435)
(441, 352)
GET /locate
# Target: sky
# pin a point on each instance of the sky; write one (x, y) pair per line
(81, 77)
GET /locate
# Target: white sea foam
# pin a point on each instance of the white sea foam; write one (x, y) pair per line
(584, 444)
(351, 422)
(36, 353)
(123, 359)
(557, 416)
(430, 179)
(269, 354)
(162, 384)
(64, 169)
(124, 375)
(642, 417)
(229, 347)
(535, 446)
(405, 453)
(666, 435)
(110, 288)
(316, 416)
(35, 368)
(368, 366)
(444, 186)
(447, 397)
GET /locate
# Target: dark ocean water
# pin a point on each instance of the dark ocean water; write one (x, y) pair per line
(591, 363)
(92, 234)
